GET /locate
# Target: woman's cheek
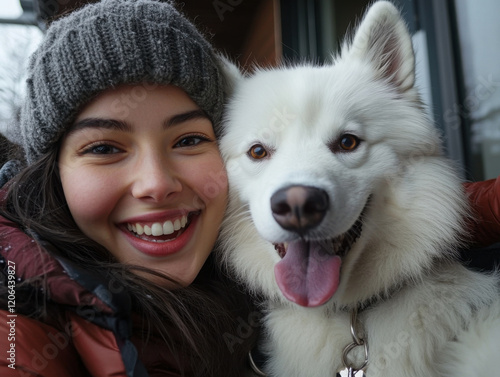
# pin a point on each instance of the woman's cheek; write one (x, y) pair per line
(213, 184)
(90, 198)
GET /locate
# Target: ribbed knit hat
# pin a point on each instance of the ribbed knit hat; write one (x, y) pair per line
(106, 44)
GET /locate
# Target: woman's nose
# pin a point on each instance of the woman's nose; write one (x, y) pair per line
(154, 180)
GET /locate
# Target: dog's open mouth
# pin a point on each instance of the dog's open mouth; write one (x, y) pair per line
(309, 271)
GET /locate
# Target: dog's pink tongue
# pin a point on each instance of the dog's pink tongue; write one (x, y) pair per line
(308, 275)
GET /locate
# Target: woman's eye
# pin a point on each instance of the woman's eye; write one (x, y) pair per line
(101, 149)
(348, 142)
(257, 152)
(190, 141)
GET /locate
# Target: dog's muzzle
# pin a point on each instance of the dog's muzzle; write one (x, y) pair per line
(309, 271)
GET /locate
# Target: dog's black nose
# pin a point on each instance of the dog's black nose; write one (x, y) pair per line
(299, 208)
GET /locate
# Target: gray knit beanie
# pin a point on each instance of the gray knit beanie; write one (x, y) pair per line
(106, 44)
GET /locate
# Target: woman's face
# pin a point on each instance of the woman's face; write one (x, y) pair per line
(143, 177)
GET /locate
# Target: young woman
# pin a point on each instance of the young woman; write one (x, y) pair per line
(107, 235)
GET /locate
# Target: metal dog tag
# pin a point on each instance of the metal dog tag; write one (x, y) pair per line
(349, 372)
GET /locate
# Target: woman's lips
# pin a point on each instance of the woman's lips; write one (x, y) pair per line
(160, 239)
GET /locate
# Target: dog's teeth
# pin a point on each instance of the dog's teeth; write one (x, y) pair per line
(336, 248)
(280, 249)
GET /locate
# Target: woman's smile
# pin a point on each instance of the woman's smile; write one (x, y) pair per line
(153, 241)
(156, 230)
(157, 238)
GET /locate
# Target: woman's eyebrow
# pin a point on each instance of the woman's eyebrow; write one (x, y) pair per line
(185, 117)
(119, 125)
(110, 124)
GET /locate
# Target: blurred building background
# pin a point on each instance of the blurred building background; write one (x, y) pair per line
(455, 42)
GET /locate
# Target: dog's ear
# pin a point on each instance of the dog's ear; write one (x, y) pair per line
(383, 39)
(232, 74)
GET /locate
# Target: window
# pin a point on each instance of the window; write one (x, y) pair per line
(478, 30)
(18, 37)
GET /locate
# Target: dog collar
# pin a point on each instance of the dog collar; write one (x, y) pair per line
(358, 340)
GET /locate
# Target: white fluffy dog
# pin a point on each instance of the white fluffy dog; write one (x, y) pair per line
(345, 216)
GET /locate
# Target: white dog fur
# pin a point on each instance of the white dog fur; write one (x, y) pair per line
(422, 313)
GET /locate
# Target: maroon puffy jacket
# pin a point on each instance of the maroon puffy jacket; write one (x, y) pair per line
(484, 198)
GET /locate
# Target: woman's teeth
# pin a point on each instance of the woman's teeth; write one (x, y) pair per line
(158, 229)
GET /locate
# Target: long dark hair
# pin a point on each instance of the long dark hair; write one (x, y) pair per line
(201, 314)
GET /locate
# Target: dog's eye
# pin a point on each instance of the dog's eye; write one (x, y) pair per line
(348, 142)
(257, 152)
